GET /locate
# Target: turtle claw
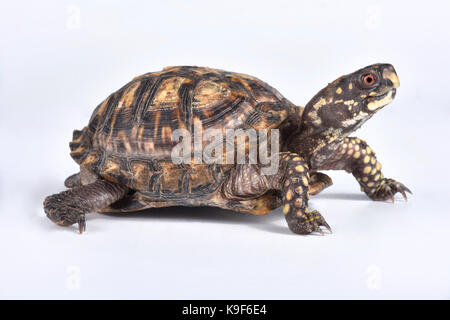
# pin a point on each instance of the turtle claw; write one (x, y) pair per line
(391, 197)
(82, 223)
(319, 222)
(309, 222)
(325, 224)
(388, 188)
(319, 230)
(404, 195)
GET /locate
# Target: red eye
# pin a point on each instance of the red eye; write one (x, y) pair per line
(369, 79)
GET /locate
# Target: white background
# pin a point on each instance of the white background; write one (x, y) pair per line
(59, 59)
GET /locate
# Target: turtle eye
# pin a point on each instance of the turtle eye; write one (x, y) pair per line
(369, 79)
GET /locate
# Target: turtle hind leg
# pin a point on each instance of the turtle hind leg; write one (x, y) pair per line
(70, 206)
(318, 182)
(73, 181)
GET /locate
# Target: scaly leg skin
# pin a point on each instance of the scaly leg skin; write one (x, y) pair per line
(318, 182)
(355, 156)
(70, 206)
(294, 185)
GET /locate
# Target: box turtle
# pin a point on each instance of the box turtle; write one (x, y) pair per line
(126, 160)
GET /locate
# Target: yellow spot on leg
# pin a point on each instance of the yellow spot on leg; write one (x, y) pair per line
(289, 195)
(299, 168)
(305, 181)
(367, 169)
(286, 209)
(378, 166)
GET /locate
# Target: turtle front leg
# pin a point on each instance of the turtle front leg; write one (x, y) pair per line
(70, 206)
(356, 157)
(293, 182)
(247, 189)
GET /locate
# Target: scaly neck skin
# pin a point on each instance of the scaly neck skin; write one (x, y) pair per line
(322, 128)
(316, 146)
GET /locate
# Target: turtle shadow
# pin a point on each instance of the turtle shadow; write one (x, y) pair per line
(343, 196)
(272, 222)
(268, 222)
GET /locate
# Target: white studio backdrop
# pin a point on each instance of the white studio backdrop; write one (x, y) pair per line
(59, 59)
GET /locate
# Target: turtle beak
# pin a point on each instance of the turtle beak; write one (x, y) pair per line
(390, 75)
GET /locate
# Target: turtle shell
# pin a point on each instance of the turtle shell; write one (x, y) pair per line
(128, 139)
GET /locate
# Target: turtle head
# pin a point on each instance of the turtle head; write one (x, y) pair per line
(346, 103)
